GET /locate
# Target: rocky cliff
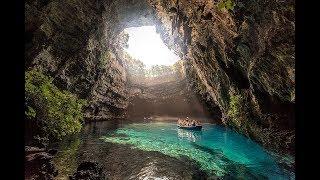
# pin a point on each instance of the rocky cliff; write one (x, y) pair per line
(240, 57)
(73, 41)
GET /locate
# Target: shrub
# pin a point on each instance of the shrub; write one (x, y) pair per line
(226, 4)
(30, 112)
(235, 108)
(59, 112)
(105, 56)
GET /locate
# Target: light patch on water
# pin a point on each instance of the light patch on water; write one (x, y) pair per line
(148, 172)
(166, 146)
(217, 150)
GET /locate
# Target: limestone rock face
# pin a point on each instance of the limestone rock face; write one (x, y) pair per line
(72, 42)
(78, 43)
(246, 53)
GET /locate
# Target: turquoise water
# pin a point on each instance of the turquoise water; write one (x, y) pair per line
(216, 149)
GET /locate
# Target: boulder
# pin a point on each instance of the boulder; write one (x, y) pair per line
(89, 171)
(38, 164)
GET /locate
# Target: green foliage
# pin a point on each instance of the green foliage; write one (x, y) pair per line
(60, 112)
(30, 112)
(105, 57)
(226, 4)
(235, 108)
(66, 159)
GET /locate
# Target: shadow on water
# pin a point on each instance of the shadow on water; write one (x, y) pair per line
(235, 170)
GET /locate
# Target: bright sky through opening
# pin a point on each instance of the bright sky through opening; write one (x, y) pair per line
(147, 46)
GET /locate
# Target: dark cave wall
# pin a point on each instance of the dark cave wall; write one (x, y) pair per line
(77, 43)
(69, 44)
(239, 59)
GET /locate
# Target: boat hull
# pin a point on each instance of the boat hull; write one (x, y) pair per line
(197, 128)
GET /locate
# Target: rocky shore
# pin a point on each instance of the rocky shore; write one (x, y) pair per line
(39, 164)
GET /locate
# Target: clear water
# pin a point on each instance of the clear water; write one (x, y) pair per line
(153, 150)
(216, 150)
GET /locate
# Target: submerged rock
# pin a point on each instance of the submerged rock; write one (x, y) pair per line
(88, 171)
(39, 164)
(52, 151)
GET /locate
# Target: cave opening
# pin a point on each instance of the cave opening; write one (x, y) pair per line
(145, 44)
(156, 75)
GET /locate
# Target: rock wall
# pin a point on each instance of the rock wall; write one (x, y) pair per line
(74, 42)
(239, 60)
(166, 98)
(79, 43)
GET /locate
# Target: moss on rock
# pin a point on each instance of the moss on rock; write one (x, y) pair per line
(58, 112)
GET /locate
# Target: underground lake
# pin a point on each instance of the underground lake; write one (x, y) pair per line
(160, 150)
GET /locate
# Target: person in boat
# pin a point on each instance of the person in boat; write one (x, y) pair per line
(187, 122)
(197, 123)
(182, 122)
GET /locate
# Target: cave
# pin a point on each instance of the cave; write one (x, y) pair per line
(230, 66)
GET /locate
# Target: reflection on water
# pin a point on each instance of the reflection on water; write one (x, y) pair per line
(161, 150)
(192, 136)
(65, 160)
